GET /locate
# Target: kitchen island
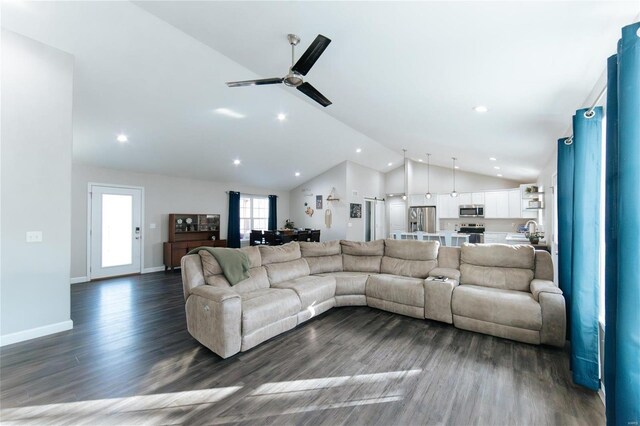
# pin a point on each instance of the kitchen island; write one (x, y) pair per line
(446, 238)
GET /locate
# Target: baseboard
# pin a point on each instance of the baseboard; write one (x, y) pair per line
(78, 280)
(32, 333)
(153, 269)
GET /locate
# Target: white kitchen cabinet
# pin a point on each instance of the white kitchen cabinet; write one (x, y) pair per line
(477, 198)
(496, 204)
(464, 199)
(515, 203)
(447, 206)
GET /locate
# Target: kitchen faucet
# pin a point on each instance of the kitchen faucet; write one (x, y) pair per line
(528, 226)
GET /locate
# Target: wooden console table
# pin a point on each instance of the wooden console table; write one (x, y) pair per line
(188, 231)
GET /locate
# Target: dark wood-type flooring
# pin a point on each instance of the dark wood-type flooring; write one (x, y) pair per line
(130, 360)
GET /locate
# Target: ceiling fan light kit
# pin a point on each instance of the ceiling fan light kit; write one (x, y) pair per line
(295, 76)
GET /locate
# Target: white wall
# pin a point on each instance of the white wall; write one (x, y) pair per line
(336, 177)
(37, 93)
(163, 195)
(442, 180)
(361, 182)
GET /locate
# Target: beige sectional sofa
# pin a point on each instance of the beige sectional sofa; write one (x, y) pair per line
(506, 291)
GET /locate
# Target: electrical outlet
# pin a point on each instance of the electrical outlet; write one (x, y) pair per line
(34, 236)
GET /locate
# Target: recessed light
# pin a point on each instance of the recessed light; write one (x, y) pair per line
(282, 116)
(122, 138)
(496, 167)
(420, 160)
(390, 195)
(493, 159)
(229, 113)
(457, 167)
(297, 174)
(389, 164)
(481, 108)
(359, 150)
(236, 162)
(499, 175)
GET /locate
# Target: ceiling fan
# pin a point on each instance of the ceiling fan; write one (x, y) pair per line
(297, 70)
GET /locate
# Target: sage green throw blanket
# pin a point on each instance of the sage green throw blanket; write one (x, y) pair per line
(234, 263)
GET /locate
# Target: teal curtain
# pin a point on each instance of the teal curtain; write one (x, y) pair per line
(585, 267)
(233, 230)
(565, 221)
(273, 212)
(622, 292)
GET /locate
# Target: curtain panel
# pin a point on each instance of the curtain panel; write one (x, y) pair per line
(273, 212)
(622, 270)
(233, 230)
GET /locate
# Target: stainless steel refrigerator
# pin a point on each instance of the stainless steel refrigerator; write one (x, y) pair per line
(422, 219)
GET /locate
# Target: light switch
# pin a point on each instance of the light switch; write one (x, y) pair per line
(34, 236)
(152, 226)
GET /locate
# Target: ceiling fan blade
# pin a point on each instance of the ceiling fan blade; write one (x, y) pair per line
(254, 82)
(311, 55)
(311, 92)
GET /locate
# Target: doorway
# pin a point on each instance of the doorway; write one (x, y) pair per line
(374, 222)
(115, 230)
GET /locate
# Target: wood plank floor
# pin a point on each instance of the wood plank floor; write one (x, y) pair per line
(130, 360)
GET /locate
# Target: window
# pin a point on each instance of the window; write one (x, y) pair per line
(254, 214)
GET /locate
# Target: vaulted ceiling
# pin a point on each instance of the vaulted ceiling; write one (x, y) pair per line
(399, 75)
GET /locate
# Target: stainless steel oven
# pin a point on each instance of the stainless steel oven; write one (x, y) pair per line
(475, 210)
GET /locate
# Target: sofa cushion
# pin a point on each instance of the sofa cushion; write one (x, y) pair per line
(360, 248)
(313, 249)
(449, 257)
(392, 288)
(285, 271)
(411, 250)
(406, 268)
(544, 265)
(503, 278)
(498, 255)
(323, 264)
(311, 290)
(349, 283)
(505, 307)
(267, 306)
(253, 253)
(352, 263)
(278, 254)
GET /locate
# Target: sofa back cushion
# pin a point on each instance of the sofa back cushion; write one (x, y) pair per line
(322, 257)
(544, 265)
(213, 273)
(503, 266)
(449, 257)
(278, 254)
(411, 249)
(409, 258)
(358, 256)
(362, 248)
(284, 263)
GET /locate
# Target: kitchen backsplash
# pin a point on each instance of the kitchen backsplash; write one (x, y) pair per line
(490, 225)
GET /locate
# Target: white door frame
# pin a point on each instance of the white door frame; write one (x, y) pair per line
(90, 185)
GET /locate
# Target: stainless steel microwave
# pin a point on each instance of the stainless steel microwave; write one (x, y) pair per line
(476, 210)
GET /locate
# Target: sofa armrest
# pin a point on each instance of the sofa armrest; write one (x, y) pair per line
(214, 318)
(554, 319)
(192, 274)
(437, 299)
(452, 274)
(215, 294)
(543, 286)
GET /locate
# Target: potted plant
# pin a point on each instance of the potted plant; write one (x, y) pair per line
(534, 237)
(288, 224)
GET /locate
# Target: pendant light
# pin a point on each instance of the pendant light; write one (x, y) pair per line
(428, 194)
(404, 162)
(454, 193)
